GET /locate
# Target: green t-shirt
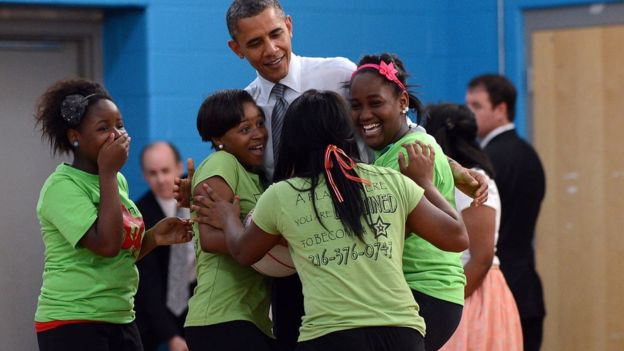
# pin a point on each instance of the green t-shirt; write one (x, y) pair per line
(227, 291)
(77, 283)
(346, 283)
(428, 269)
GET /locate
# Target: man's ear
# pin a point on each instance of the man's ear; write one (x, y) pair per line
(501, 112)
(288, 21)
(233, 44)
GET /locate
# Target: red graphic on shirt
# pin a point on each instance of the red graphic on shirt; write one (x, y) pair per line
(133, 228)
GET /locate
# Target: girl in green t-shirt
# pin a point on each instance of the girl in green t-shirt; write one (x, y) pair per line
(380, 102)
(229, 309)
(345, 224)
(92, 232)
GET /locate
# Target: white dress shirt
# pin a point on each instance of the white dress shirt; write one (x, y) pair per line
(304, 73)
(495, 132)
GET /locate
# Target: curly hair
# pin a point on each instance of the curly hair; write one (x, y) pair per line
(48, 110)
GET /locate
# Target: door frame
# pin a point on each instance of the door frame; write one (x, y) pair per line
(36, 26)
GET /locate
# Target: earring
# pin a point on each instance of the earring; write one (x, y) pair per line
(404, 110)
(75, 144)
(220, 146)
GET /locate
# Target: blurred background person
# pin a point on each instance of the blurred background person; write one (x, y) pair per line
(166, 274)
(490, 319)
(522, 186)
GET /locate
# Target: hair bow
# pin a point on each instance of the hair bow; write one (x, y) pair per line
(387, 70)
(73, 107)
(345, 163)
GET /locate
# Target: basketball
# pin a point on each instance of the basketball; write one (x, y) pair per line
(275, 263)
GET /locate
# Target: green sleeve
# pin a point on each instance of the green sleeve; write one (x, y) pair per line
(219, 164)
(122, 183)
(412, 193)
(442, 174)
(69, 209)
(265, 214)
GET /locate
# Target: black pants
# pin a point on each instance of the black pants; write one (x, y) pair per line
(228, 336)
(92, 337)
(441, 318)
(287, 309)
(532, 332)
(367, 339)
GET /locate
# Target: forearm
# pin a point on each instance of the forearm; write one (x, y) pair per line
(456, 168)
(212, 239)
(475, 271)
(233, 230)
(148, 244)
(433, 195)
(437, 227)
(109, 227)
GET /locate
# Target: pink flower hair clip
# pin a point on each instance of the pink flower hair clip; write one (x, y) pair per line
(386, 70)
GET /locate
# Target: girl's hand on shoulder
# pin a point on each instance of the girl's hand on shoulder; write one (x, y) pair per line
(211, 209)
(419, 166)
(172, 230)
(114, 153)
(470, 182)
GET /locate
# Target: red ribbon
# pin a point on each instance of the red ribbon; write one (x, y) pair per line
(345, 163)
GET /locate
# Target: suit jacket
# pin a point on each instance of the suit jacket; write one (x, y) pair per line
(157, 324)
(521, 183)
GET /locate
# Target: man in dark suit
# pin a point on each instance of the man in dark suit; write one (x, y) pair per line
(167, 272)
(520, 179)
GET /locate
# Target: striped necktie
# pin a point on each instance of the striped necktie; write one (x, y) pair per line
(180, 273)
(277, 117)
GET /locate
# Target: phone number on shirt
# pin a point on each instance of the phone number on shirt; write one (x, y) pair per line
(346, 254)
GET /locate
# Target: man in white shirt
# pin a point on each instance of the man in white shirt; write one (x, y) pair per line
(261, 33)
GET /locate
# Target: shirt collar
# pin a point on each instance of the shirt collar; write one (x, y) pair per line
(495, 132)
(167, 205)
(292, 79)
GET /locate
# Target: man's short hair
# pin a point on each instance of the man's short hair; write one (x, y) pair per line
(499, 89)
(176, 153)
(248, 8)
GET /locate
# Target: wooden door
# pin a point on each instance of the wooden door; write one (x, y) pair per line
(578, 130)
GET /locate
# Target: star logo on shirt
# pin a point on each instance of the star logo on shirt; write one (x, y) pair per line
(381, 228)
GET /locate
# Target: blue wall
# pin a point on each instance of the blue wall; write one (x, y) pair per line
(187, 55)
(162, 57)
